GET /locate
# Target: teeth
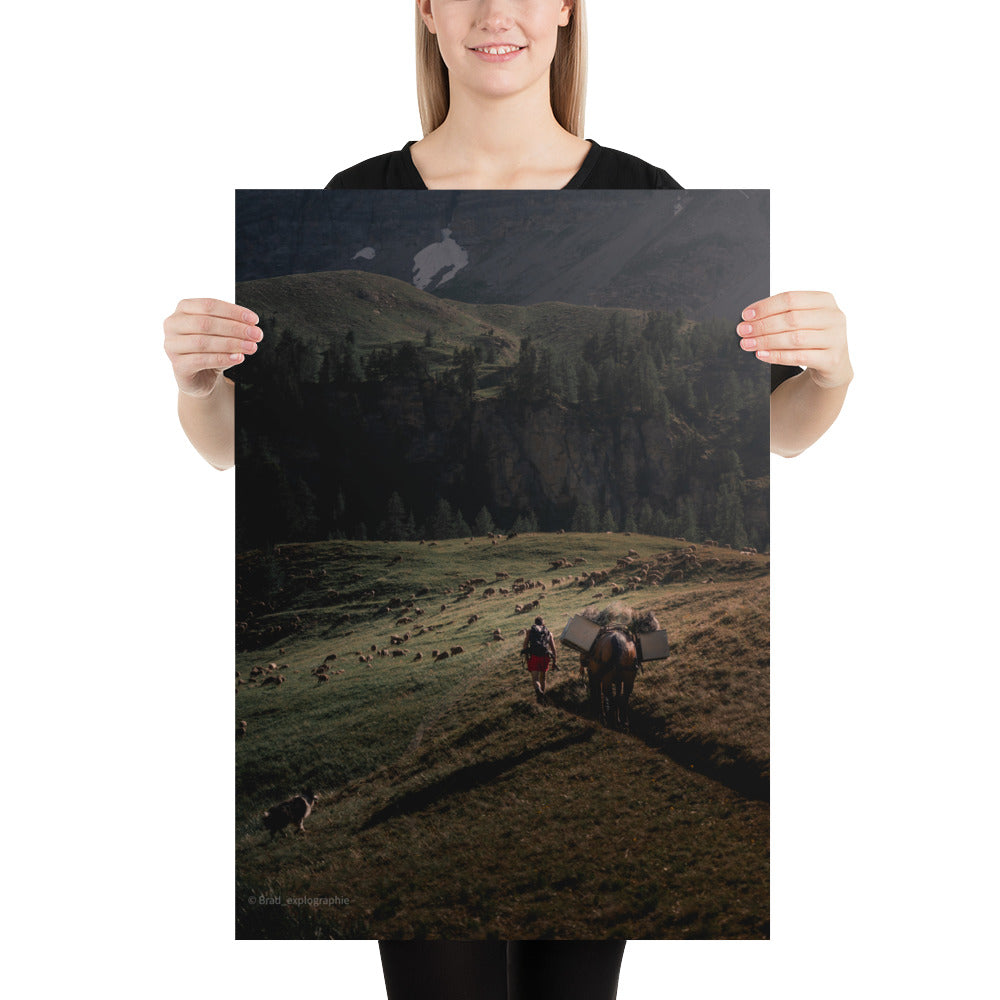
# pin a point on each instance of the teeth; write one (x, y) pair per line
(499, 50)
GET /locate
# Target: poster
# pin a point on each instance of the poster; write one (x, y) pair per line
(470, 410)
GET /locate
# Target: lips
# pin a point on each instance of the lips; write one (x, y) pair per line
(497, 54)
(498, 50)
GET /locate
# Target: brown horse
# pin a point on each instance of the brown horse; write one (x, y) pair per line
(610, 667)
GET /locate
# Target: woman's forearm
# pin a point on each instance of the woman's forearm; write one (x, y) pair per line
(208, 422)
(801, 412)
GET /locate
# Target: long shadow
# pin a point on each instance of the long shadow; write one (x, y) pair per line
(710, 758)
(468, 777)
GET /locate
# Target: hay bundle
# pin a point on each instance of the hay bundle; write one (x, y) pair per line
(619, 613)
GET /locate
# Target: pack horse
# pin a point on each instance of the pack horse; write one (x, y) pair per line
(610, 657)
(610, 668)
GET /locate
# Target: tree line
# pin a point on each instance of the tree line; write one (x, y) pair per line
(389, 443)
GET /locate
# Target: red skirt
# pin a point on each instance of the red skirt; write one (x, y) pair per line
(536, 662)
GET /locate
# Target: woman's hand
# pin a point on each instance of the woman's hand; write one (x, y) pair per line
(807, 329)
(800, 328)
(204, 337)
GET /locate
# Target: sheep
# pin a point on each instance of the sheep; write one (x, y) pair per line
(455, 650)
(330, 656)
(241, 729)
(418, 656)
(443, 655)
(473, 619)
(321, 678)
(273, 679)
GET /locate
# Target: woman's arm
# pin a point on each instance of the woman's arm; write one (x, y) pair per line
(808, 329)
(801, 412)
(209, 423)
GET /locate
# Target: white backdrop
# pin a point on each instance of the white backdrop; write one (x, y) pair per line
(130, 130)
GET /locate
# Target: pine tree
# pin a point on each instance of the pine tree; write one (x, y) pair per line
(584, 519)
(394, 526)
(483, 524)
(442, 522)
(526, 523)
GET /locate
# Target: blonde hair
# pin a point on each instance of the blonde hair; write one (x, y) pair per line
(567, 75)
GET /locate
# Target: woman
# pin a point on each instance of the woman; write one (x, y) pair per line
(501, 93)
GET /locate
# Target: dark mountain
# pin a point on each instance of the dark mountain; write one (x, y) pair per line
(703, 252)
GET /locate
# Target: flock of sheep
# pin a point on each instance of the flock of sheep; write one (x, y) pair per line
(633, 573)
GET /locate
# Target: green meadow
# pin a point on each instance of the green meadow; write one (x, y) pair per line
(452, 805)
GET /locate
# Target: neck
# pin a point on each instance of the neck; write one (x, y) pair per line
(500, 133)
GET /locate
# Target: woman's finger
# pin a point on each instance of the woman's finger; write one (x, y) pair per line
(177, 346)
(803, 358)
(201, 324)
(786, 302)
(216, 307)
(794, 340)
(794, 319)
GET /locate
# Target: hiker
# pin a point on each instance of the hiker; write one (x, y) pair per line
(539, 647)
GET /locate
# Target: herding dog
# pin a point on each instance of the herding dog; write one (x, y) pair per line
(294, 810)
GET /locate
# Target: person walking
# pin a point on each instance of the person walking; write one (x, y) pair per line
(539, 650)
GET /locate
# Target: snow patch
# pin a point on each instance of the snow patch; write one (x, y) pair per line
(438, 262)
(366, 253)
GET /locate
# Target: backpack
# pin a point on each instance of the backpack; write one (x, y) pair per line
(538, 637)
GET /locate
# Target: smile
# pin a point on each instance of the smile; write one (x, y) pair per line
(498, 53)
(498, 50)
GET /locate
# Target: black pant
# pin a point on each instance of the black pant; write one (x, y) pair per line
(501, 970)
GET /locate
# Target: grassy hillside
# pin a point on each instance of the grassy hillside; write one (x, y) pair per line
(452, 805)
(381, 310)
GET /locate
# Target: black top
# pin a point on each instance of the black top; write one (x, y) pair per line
(602, 169)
